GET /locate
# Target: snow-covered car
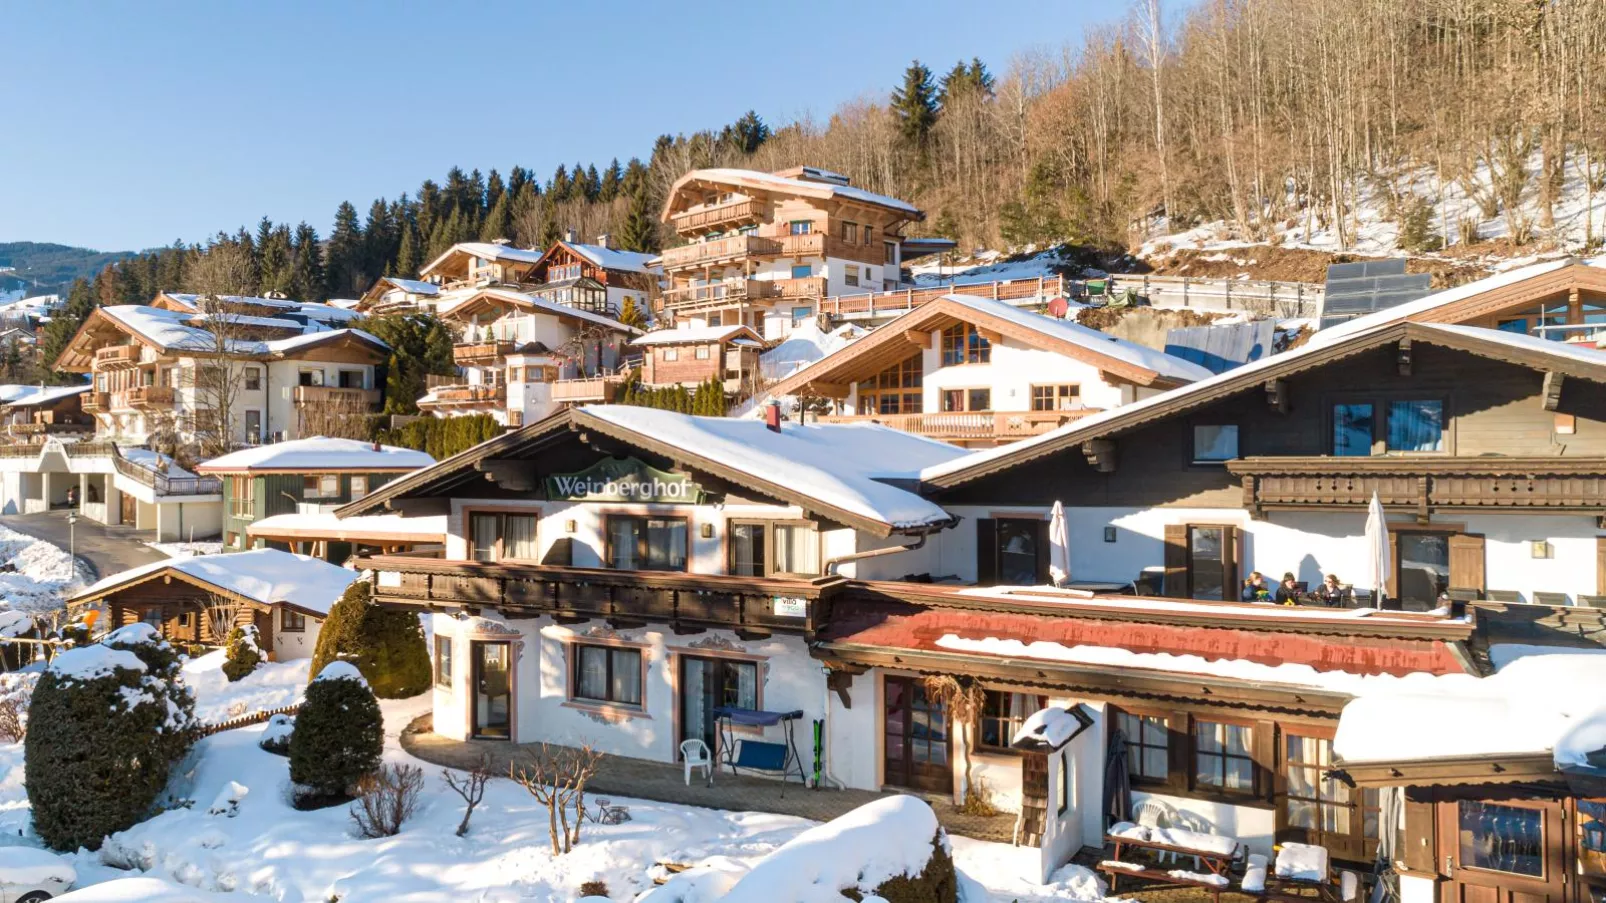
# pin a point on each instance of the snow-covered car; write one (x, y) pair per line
(29, 875)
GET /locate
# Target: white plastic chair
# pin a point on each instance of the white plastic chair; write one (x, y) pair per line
(1152, 813)
(694, 753)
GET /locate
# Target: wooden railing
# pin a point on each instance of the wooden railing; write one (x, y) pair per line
(733, 247)
(720, 217)
(969, 425)
(336, 395)
(95, 401)
(587, 389)
(461, 394)
(148, 397)
(756, 605)
(40, 427)
(481, 352)
(1423, 484)
(115, 356)
(874, 304)
(724, 291)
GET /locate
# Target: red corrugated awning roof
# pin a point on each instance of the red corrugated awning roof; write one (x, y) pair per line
(897, 625)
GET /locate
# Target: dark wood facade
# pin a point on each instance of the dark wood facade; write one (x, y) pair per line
(177, 608)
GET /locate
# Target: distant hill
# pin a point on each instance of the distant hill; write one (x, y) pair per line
(46, 268)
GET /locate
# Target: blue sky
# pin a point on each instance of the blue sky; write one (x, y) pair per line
(127, 125)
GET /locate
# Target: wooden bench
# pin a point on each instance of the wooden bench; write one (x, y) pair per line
(1117, 869)
(1211, 863)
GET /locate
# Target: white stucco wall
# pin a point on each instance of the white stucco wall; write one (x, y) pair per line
(296, 644)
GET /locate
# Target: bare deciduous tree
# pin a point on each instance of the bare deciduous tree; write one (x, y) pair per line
(557, 776)
(222, 613)
(219, 277)
(386, 799)
(469, 785)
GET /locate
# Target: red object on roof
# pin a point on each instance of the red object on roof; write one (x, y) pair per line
(1059, 307)
(901, 626)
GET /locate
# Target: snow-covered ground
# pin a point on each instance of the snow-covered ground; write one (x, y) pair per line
(270, 850)
(272, 686)
(987, 266)
(186, 549)
(45, 575)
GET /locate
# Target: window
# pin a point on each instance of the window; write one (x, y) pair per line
(801, 315)
(443, 661)
(964, 344)
(253, 379)
(310, 378)
(869, 234)
(956, 400)
(1211, 572)
(869, 276)
(765, 548)
(646, 543)
(1323, 809)
(1056, 398)
(1416, 426)
(292, 621)
(850, 274)
(609, 674)
(1063, 796)
(359, 486)
(1222, 758)
(671, 355)
(1214, 443)
(153, 617)
(1501, 838)
(850, 233)
(1423, 569)
(1352, 430)
(895, 390)
(502, 537)
(351, 379)
(253, 427)
(800, 227)
(184, 619)
(1148, 756)
(320, 486)
(1002, 713)
(891, 259)
(241, 504)
(702, 352)
(802, 270)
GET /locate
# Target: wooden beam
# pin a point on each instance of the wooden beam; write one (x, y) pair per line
(1402, 357)
(825, 390)
(840, 682)
(512, 475)
(1100, 454)
(918, 337)
(425, 507)
(1277, 395)
(991, 336)
(1552, 393)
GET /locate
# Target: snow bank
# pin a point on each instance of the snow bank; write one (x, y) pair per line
(90, 662)
(273, 685)
(149, 890)
(862, 849)
(340, 671)
(26, 866)
(45, 575)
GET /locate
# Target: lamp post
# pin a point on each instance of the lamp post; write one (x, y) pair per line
(72, 536)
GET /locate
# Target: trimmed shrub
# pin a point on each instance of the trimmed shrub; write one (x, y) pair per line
(385, 644)
(338, 737)
(243, 653)
(107, 724)
(276, 736)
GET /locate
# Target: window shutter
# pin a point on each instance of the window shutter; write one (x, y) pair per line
(1466, 562)
(986, 551)
(1419, 850)
(1600, 565)
(1043, 554)
(1231, 554)
(1394, 568)
(1176, 560)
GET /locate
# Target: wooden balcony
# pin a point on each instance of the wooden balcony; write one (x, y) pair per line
(594, 389)
(1423, 485)
(475, 354)
(723, 250)
(45, 428)
(147, 397)
(460, 394)
(690, 603)
(807, 287)
(724, 216)
(117, 357)
(719, 294)
(335, 395)
(970, 426)
(95, 402)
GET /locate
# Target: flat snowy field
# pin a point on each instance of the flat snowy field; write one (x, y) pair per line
(271, 851)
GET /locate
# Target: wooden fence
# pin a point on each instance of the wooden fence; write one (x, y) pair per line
(248, 720)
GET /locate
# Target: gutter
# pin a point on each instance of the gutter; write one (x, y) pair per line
(832, 563)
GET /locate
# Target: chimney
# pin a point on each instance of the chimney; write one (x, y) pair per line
(772, 416)
(376, 446)
(569, 236)
(605, 240)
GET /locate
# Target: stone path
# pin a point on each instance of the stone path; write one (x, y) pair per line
(641, 779)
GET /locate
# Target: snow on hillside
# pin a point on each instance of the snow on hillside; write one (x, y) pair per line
(989, 266)
(1374, 233)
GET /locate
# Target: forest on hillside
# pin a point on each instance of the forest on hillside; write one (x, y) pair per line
(1264, 115)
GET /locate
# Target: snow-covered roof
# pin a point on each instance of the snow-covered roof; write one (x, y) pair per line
(413, 286)
(542, 304)
(332, 313)
(485, 250)
(803, 187)
(837, 465)
(804, 345)
(174, 330)
(193, 300)
(691, 334)
(1537, 702)
(153, 460)
(266, 576)
(292, 343)
(613, 258)
(1573, 351)
(325, 525)
(319, 453)
(30, 396)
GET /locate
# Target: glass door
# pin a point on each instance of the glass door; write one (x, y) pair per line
(493, 691)
(915, 738)
(707, 684)
(1502, 852)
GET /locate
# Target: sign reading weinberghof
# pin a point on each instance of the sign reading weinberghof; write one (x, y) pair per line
(623, 480)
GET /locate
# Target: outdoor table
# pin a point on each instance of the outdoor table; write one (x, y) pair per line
(1213, 854)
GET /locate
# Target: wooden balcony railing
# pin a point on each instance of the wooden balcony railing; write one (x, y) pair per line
(336, 395)
(724, 291)
(724, 216)
(721, 250)
(805, 287)
(601, 389)
(115, 357)
(95, 402)
(474, 353)
(752, 605)
(480, 394)
(1423, 484)
(970, 425)
(41, 428)
(148, 397)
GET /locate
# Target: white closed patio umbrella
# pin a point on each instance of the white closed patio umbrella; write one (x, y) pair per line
(1377, 550)
(1059, 546)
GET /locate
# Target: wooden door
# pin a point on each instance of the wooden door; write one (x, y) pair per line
(916, 747)
(1503, 852)
(130, 509)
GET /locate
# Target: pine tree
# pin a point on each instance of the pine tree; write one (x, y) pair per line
(640, 232)
(494, 189)
(558, 188)
(593, 184)
(915, 105)
(407, 258)
(499, 221)
(379, 241)
(611, 177)
(750, 132)
(306, 276)
(344, 256)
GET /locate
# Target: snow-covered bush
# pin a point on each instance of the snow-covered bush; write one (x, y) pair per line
(109, 722)
(16, 689)
(276, 736)
(243, 653)
(338, 738)
(386, 645)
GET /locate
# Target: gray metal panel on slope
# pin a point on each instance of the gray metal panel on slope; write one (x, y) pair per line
(1361, 287)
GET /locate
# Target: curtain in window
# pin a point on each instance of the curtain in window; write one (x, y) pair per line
(591, 672)
(747, 550)
(797, 550)
(1352, 430)
(1416, 426)
(744, 676)
(622, 532)
(666, 544)
(626, 685)
(482, 535)
(519, 541)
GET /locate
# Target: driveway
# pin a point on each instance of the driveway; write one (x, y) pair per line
(107, 550)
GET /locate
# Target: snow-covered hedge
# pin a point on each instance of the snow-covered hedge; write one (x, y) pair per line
(107, 724)
(385, 644)
(338, 737)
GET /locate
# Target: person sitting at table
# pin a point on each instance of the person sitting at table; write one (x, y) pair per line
(1288, 592)
(1255, 588)
(1330, 593)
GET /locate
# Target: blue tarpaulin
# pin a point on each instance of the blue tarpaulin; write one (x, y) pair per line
(755, 717)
